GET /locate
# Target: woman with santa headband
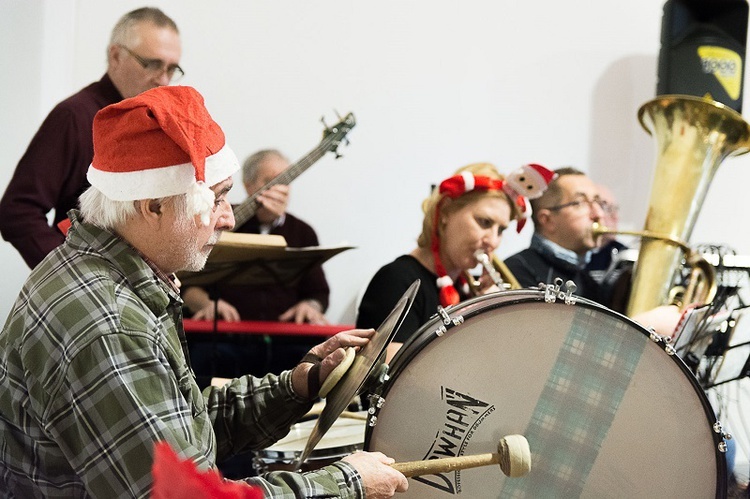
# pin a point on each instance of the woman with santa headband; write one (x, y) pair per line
(467, 213)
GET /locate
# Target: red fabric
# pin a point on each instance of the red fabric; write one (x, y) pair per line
(546, 174)
(64, 226)
(176, 479)
(449, 296)
(164, 126)
(455, 186)
(435, 249)
(521, 222)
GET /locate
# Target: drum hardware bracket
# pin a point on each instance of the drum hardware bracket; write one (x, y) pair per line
(664, 341)
(448, 321)
(376, 403)
(553, 292)
(718, 428)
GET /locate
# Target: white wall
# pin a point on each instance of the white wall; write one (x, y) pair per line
(434, 85)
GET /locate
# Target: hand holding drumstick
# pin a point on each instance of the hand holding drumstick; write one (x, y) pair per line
(513, 456)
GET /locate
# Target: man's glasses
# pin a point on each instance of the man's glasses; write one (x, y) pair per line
(157, 66)
(581, 201)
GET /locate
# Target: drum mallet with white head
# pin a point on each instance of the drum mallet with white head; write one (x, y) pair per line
(513, 456)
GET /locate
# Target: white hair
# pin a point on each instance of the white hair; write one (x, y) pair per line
(98, 209)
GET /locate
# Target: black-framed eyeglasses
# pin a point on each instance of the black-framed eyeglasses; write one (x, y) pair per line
(582, 200)
(157, 66)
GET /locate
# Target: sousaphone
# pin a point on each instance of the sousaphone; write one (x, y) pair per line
(694, 136)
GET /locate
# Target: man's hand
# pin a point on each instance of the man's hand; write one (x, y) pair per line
(306, 311)
(226, 312)
(380, 480)
(273, 203)
(198, 301)
(331, 352)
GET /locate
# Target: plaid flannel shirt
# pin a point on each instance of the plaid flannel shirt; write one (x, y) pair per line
(94, 372)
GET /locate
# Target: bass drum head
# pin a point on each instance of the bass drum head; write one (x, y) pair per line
(606, 411)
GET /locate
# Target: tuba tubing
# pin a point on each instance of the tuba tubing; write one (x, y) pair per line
(693, 136)
(702, 286)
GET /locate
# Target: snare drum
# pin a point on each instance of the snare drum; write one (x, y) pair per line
(345, 436)
(606, 410)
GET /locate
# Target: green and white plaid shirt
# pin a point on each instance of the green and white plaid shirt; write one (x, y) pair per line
(93, 372)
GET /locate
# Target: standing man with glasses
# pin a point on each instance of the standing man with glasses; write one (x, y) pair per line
(143, 53)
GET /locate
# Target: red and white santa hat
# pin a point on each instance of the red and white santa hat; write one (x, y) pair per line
(527, 182)
(160, 143)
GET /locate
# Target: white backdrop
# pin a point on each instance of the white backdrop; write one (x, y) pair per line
(434, 85)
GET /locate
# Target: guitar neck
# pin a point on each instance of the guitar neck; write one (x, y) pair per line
(245, 210)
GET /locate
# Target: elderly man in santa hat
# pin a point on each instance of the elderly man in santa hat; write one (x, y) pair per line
(93, 356)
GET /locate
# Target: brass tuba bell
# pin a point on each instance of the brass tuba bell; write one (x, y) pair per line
(693, 136)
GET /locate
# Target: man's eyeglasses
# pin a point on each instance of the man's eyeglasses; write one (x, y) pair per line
(157, 66)
(581, 200)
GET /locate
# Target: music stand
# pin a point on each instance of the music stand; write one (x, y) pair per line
(253, 259)
(256, 259)
(735, 361)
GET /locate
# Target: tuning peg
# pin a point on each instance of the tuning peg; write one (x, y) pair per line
(323, 120)
(346, 141)
(337, 115)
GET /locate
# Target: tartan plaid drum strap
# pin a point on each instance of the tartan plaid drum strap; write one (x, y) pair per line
(578, 404)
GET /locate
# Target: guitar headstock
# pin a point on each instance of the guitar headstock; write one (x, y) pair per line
(334, 135)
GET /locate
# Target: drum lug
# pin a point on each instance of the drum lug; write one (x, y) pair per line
(448, 321)
(664, 341)
(553, 292)
(376, 403)
(718, 428)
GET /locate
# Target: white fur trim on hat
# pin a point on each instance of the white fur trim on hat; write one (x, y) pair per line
(444, 281)
(151, 183)
(201, 200)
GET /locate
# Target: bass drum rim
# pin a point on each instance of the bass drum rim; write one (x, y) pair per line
(483, 304)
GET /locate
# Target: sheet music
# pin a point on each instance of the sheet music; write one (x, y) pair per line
(690, 335)
(736, 359)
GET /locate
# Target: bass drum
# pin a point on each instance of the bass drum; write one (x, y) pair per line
(606, 410)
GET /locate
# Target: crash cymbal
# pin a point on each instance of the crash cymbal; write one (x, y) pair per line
(363, 365)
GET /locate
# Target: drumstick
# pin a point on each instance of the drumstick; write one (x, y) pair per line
(513, 456)
(360, 416)
(317, 408)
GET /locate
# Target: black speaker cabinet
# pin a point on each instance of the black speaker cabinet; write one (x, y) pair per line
(703, 49)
